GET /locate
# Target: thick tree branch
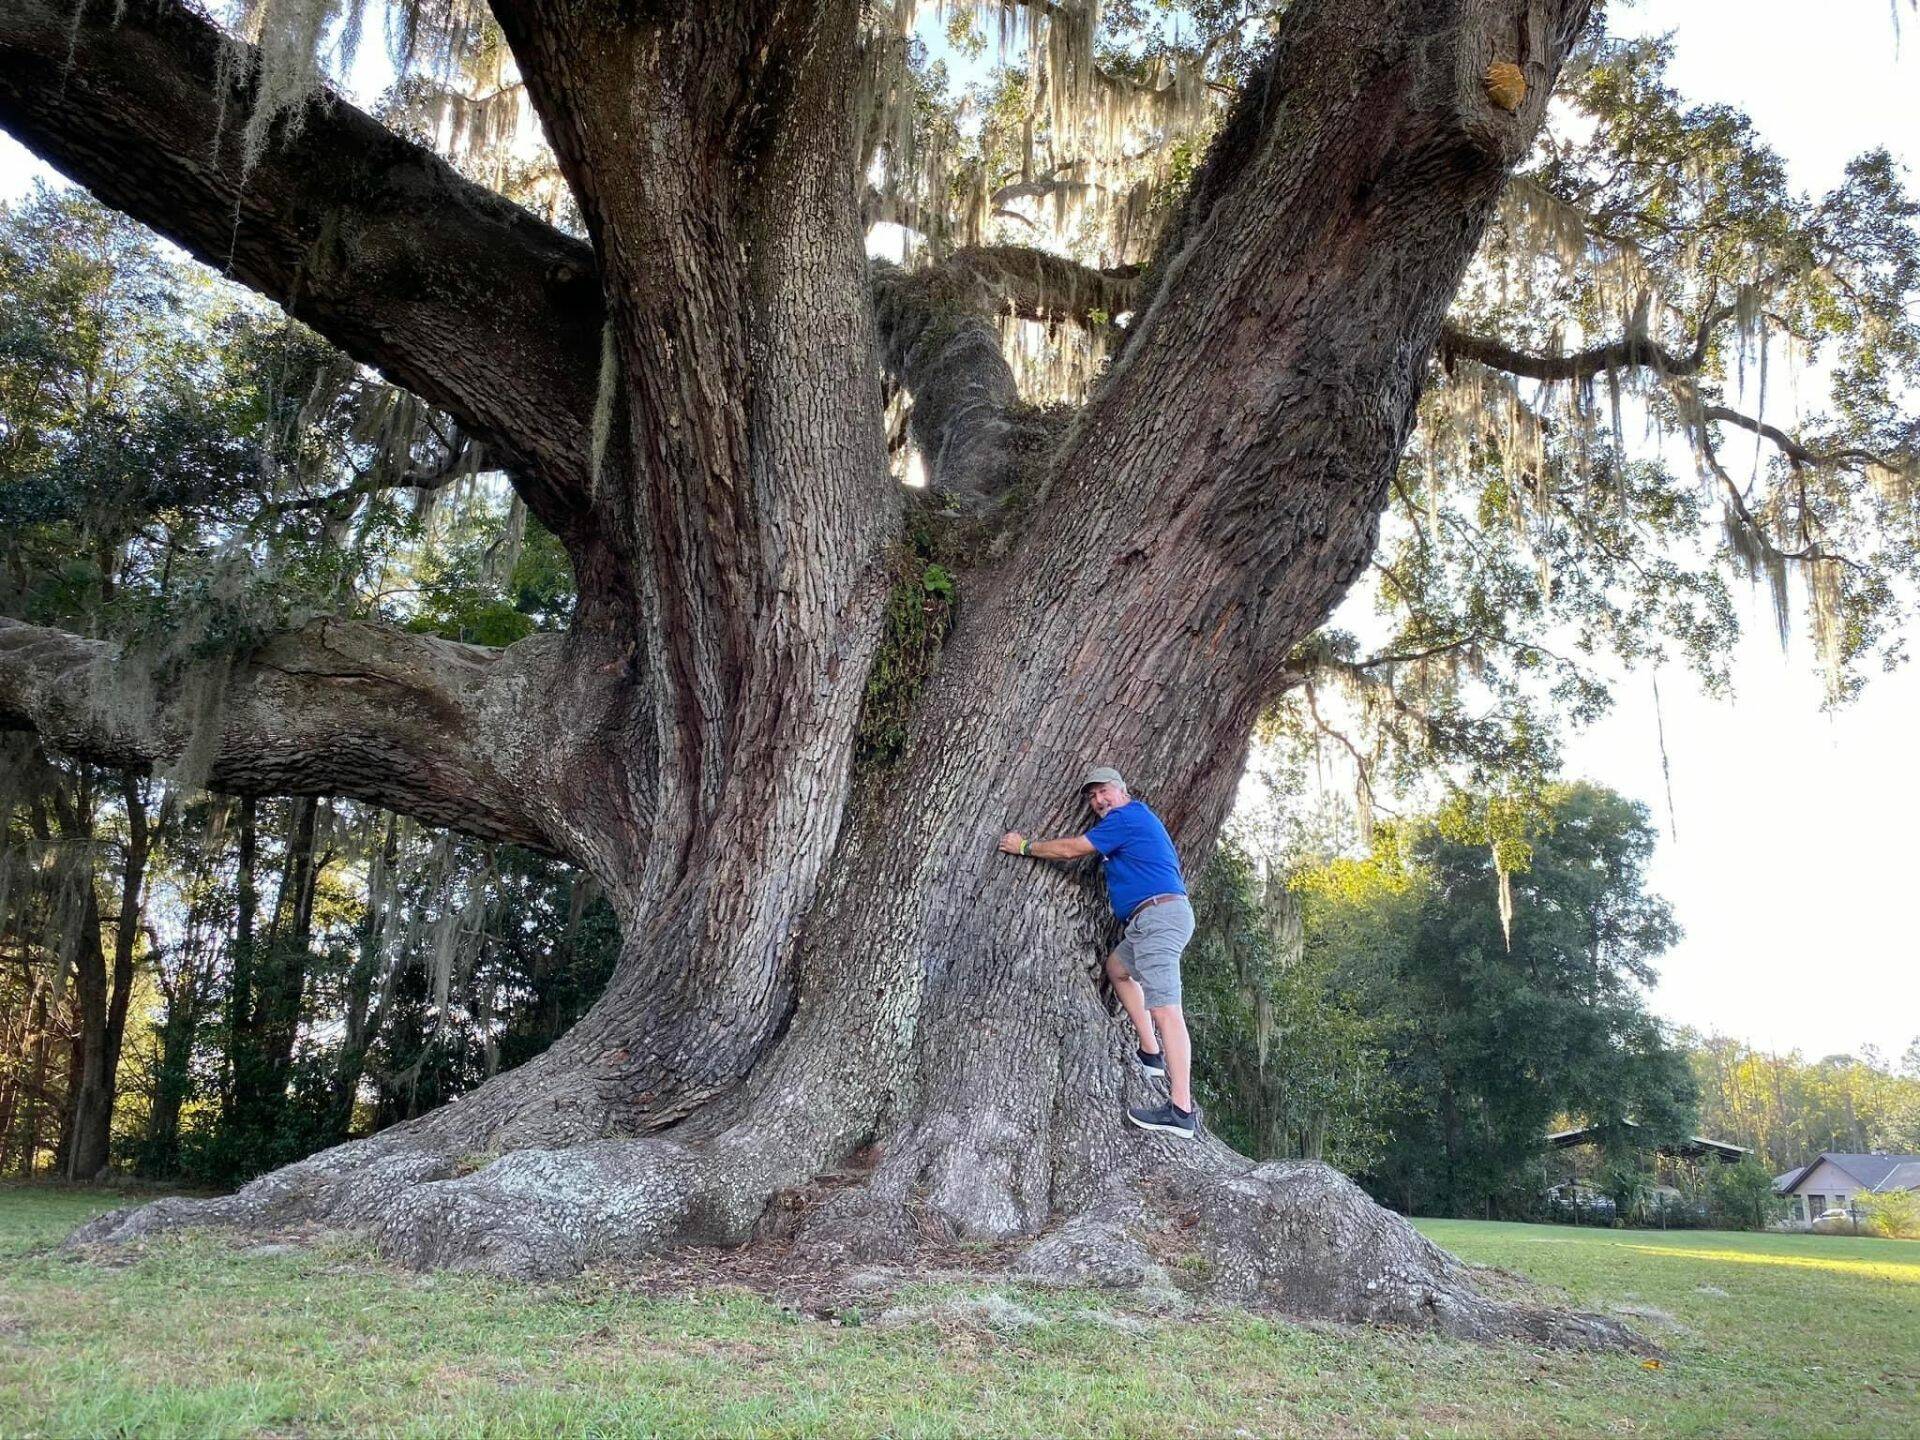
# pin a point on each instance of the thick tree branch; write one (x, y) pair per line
(1047, 188)
(711, 151)
(445, 287)
(938, 340)
(423, 726)
(1628, 352)
(1037, 286)
(1632, 350)
(946, 353)
(338, 503)
(1798, 455)
(1638, 350)
(1812, 548)
(1270, 373)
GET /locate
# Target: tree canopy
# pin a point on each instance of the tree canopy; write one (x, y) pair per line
(1665, 374)
(1375, 1007)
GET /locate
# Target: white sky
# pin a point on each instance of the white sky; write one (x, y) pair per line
(1795, 865)
(1796, 869)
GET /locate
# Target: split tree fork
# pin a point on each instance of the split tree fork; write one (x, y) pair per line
(1168, 1021)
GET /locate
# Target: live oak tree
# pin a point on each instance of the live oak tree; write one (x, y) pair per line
(837, 1015)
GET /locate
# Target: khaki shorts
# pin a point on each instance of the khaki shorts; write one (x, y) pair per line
(1151, 946)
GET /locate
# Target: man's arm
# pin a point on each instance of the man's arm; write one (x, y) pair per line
(1068, 847)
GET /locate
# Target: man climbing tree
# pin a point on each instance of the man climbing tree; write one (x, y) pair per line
(1149, 899)
(753, 734)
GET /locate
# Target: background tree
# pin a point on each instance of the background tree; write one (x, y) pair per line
(84, 335)
(1286, 1066)
(1896, 1214)
(294, 487)
(1490, 1033)
(814, 959)
(1741, 1195)
(1787, 1109)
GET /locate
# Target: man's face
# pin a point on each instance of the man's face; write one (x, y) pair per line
(1103, 798)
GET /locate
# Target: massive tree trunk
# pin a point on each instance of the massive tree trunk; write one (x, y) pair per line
(825, 965)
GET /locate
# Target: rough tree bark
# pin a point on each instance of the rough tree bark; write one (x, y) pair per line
(819, 964)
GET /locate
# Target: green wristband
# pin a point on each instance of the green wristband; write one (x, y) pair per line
(1026, 847)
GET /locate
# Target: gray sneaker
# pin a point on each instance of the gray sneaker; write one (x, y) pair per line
(1154, 1065)
(1167, 1119)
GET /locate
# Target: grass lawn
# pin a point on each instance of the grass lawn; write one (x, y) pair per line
(1805, 1335)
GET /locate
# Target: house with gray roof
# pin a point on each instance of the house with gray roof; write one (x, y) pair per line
(1836, 1181)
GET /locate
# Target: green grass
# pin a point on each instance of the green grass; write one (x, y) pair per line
(192, 1336)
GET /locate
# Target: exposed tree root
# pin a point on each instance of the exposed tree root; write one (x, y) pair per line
(1177, 1222)
(546, 1214)
(352, 1186)
(347, 1187)
(1293, 1236)
(1190, 1222)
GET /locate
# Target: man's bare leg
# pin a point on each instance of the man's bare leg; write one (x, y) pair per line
(1134, 1000)
(1173, 1033)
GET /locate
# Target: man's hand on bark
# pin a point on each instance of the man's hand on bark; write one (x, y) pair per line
(1012, 842)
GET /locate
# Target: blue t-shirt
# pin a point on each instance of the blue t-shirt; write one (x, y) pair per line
(1139, 856)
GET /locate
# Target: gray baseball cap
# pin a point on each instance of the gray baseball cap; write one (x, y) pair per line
(1102, 775)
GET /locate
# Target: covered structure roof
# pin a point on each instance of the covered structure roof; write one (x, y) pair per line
(1694, 1147)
